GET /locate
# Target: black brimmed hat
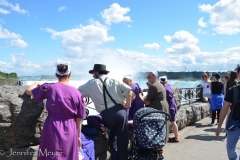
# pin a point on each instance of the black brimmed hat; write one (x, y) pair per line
(99, 67)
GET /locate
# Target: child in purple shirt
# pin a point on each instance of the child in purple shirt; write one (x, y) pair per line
(172, 107)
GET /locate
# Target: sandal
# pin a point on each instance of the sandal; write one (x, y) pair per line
(172, 140)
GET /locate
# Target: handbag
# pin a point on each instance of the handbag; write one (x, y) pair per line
(233, 125)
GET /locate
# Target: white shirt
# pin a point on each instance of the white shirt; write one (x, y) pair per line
(206, 88)
(94, 89)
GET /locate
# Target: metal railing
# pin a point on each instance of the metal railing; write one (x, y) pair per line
(190, 95)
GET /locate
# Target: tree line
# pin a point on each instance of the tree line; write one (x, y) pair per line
(8, 75)
(193, 75)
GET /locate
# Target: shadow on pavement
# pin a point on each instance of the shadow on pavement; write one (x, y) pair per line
(205, 137)
(203, 126)
(213, 130)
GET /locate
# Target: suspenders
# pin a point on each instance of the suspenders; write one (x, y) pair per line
(104, 94)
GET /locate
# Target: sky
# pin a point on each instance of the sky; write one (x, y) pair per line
(127, 36)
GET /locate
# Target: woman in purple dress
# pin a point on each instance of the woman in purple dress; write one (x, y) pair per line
(172, 107)
(61, 132)
(137, 103)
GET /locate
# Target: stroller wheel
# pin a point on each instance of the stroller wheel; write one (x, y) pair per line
(130, 157)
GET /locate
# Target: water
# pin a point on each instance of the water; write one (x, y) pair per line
(77, 81)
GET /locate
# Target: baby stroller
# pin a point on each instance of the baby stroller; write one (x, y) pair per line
(149, 126)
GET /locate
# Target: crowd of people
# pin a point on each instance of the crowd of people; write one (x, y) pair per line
(117, 102)
(224, 101)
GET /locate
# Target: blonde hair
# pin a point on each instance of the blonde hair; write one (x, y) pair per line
(204, 74)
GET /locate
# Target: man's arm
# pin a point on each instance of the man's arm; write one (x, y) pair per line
(84, 90)
(150, 95)
(128, 97)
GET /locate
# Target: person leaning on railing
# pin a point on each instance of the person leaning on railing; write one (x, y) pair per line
(206, 89)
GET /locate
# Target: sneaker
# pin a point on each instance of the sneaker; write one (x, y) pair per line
(211, 124)
(216, 124)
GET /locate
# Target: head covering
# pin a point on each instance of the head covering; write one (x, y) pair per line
(217, 76)
(128, 76)
(67, 63)
(155, 73)
(99, 67)
(163, 79)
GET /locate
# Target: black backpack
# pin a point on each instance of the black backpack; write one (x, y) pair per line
(235, 111)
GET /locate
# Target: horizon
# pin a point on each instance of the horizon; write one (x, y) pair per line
(128, 38)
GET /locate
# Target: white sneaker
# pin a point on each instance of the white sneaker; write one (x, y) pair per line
(211, 124)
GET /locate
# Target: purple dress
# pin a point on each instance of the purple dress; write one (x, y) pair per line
(171, 103)
(59, 140)
(137, 102)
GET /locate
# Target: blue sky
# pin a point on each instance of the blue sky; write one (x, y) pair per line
(127, 36)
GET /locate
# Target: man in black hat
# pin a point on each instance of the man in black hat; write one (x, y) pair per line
(108, 96)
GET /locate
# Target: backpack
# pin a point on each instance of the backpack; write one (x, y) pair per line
(233, 122)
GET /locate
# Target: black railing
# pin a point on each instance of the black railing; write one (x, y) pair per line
(190, 95)
(10, 81)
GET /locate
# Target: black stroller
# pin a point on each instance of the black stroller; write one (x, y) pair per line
(149, 134)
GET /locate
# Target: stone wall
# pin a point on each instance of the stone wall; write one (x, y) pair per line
(22, 119)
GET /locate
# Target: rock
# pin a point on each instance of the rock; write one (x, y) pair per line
(21, 118)
(176, 94)
(189, 114)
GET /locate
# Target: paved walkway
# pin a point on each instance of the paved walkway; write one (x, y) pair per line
(198, 142)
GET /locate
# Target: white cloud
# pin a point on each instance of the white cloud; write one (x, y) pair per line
(224, 16)
(188, 59)
(152, 46)
(184, 43)
(82, 37)
(3, 11)
(18, 43)
(62, 8)
(201, 23)
(4, 33)
(115, 14)
(129, 26)
(200, 31)
(221, 41)
(129, 62)
(181, 37)
(14, 8)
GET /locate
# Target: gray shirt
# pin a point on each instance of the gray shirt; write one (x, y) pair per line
(94, 89)
(157, 97)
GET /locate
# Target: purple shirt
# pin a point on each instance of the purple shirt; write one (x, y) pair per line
(171, 101)
(137, 102)
(61, 99)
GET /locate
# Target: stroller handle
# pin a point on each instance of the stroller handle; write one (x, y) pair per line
(158, 111)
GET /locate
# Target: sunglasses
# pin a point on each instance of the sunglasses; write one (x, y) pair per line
(148, 76)
(204, 76)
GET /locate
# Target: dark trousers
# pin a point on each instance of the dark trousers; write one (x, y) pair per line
(115, 118)
(214, 115)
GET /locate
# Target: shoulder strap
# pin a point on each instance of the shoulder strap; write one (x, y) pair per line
(105, 89)
(235, 97)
